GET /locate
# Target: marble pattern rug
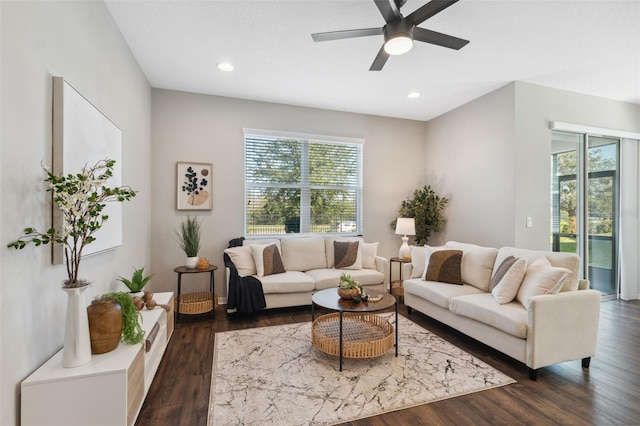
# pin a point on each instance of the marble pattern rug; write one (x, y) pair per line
(274, 376)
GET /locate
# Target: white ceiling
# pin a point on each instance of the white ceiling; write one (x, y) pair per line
(584, 46)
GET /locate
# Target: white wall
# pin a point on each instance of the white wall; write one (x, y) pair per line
(470, 154)
(535, 107)
(491, 157)
(80, 42)
(203, 128)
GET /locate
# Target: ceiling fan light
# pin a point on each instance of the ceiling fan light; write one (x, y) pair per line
(398, 45)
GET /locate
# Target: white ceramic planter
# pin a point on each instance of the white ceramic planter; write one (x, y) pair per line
(191, 262)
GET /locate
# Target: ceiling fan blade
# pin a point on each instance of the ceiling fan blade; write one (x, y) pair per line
(433, 37)
(388, 9)
(428, 10)
(380, 60)
(338, 35)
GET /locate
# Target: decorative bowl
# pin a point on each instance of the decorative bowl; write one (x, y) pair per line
(348, 293)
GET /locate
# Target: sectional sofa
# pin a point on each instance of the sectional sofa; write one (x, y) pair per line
(539, 313)
(309, 265)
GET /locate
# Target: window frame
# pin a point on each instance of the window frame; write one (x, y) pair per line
(305, 214)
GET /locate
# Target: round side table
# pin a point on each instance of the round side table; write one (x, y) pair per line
(198, 302)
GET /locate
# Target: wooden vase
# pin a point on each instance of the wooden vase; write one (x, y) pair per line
(105, 325)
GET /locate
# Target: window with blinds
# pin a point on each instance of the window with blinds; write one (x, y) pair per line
(302, 185)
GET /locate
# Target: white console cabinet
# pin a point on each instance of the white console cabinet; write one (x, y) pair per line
(109, 390)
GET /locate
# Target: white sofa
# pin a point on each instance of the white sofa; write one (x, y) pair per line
(309, 264)
(552, 328)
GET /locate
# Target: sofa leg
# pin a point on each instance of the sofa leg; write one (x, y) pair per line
(586, 362)
(409, 310)
(533, 374)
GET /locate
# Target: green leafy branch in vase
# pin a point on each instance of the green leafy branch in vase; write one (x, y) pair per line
(80, 198)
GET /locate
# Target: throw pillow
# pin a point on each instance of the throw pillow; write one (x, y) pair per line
(418, 255)
(541, 278)
(369, 252)
(445, 266)
(428, 251)
(501, 271)
(347, 255)
(508, 278)
(267, 258)
(242, 259)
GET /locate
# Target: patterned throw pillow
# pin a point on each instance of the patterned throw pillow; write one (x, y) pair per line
(445, 266)
(267, 259)
(508, 278)
(347, 255)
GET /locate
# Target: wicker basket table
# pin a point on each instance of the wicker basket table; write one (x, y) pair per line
(198, 302)
(354, 331)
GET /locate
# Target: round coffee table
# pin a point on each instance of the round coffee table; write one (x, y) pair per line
(366, 335)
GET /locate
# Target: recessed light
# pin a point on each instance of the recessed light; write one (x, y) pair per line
(413, 95)
(225, 66)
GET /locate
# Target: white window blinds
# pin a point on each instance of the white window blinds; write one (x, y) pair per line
(302, 185)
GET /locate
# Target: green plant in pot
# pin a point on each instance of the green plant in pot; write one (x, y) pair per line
(113, 317)
(349, 288)
(137, 281)
(427, 208)
(188, 237)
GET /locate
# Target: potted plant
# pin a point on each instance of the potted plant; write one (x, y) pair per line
(113, 317)
(426, 207)
(188, 238)
(137, 281)
(80, 197)
(349, 288)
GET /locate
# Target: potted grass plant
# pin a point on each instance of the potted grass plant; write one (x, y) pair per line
(188, 237)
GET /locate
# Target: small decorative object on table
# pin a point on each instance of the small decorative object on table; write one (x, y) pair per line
(107, 327)
(348, 288)
(203, 263)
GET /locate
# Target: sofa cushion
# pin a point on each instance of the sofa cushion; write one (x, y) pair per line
(267, 259)
(444, 266)
(347, 255)
(477, 263)
(303, 254)
(327, 278)
(288, 282)
(328, 247)
(263, 242)
(242, 259)
(369, 252)
(510, 317)
(508, 279)
(571, 261)
(541, 278)
(420, 259)
(437, 292)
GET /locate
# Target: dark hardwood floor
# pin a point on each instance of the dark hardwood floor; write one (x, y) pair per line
(605, 394)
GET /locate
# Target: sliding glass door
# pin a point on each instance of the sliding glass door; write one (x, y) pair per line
(585, 200)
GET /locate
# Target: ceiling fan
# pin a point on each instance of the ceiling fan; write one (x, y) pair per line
(399, 31)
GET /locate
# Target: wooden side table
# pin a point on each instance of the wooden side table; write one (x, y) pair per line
(396, 287)
(199, 302)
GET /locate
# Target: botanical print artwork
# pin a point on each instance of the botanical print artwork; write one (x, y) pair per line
(194, 186)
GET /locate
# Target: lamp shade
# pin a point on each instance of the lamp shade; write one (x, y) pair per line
(406, 226)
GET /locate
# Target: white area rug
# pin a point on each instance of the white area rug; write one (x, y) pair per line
(274, 376)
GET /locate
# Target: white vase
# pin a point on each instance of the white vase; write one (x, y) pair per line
(192, 262)
(77, 344)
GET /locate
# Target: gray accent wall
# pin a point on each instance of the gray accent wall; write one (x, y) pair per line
(80, 42)
(204, 128)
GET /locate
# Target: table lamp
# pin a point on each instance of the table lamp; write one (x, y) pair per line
(405, 226)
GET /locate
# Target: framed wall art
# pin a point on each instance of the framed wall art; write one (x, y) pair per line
(193, 186)
(83, 135)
